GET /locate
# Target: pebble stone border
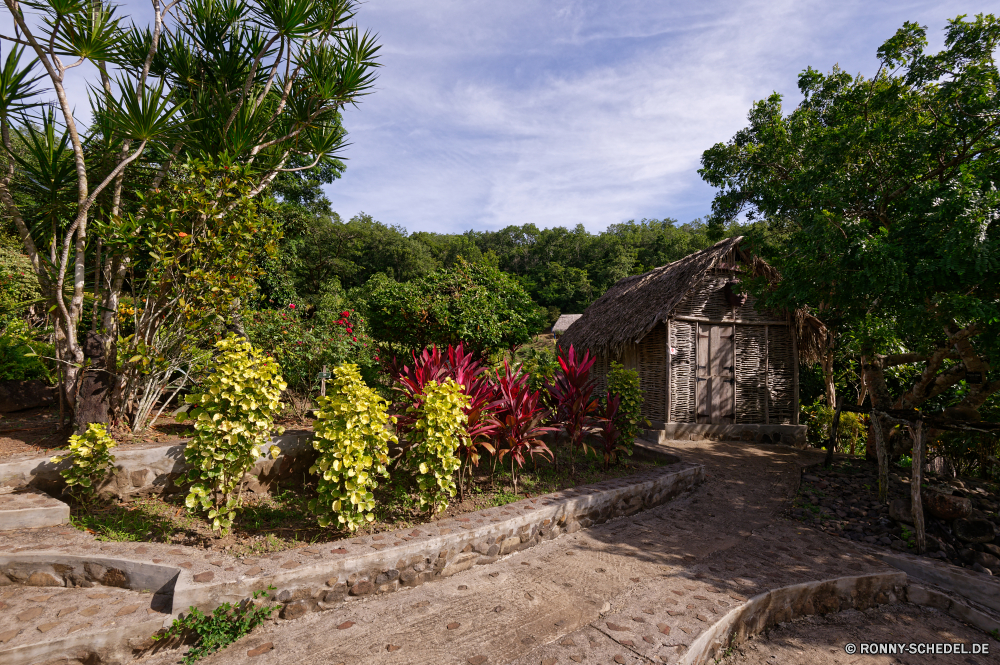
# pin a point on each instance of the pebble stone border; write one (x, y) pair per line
(357, 567)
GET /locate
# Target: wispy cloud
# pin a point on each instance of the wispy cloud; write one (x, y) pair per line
(558, 113)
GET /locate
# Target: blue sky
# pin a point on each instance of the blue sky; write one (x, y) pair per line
(565, 112)
(561, 112)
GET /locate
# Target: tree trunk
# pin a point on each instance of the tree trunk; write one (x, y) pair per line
(831, 445)
(915, 485)
(828, 380)
(874, 375)
(94, 402)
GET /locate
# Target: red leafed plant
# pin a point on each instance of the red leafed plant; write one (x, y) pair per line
(469, 373)
(572, 391)
(518, 420)
(610, 434)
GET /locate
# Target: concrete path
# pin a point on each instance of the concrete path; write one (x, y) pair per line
(634, 590)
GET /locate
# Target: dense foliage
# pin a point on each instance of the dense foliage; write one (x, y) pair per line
(233, 420)
(434, 438)
(875, 198)
(518, 418)
(572, 390)
(624, 383)
(474, 304)
(352, 437)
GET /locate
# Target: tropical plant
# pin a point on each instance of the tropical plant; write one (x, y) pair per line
(352, 436)
(22, 353)
(255, 83)
(226, 624)
(518, 420)
(233, 421)
(473, 379)
(611, 435)
(624, 383)
(434, 439)
(90, 459)
(572, 391)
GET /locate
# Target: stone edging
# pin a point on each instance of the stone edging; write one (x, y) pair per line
(976, 587)
(414, 556)
(791, 602)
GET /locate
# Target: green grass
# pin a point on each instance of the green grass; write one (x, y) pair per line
(139, 520)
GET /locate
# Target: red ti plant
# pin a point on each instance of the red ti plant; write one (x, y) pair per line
(610, 434)
(572, 390)
(469, 373)
(518, 420)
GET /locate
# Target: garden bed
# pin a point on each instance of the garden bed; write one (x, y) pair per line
(844, 501)
(281, 520)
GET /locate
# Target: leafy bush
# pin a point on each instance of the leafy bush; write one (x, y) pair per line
(352, 438)
(90, 459)
(233, 420)
(18, 283)
(473, 303)
(572, 390)
(226, 624)
(434, 439)
(303, 344)
(628, 416)
(611, 435)
(852, 434)
(21, 353)
(518, 420)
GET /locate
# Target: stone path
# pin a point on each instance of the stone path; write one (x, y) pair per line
(27, 507)
(634, 590)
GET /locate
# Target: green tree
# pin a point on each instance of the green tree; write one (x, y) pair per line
(476, 304)
(875, 198)
(256, 84)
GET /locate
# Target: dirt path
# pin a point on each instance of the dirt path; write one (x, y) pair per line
(634, 590)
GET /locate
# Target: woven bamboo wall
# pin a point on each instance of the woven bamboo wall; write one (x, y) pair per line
(751, 368)
(682, 372)
(705, 300)
(653, 373)
(781, 375)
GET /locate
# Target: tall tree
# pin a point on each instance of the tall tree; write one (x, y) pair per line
(254, 85)
(876, 200)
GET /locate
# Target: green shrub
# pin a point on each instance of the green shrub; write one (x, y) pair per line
(302, 345)
(21, 353)
(352, 436)
(625, 382)
(215, 631)
(18, 284)
(233, 420)
(90, 459)
(434, 440)
(852, 433)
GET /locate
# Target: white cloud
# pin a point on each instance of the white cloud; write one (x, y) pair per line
(489, 114)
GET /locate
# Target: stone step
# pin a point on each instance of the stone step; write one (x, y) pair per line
(43, 620)
(29, 508)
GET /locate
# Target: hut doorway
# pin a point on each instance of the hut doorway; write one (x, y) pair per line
(716, 374)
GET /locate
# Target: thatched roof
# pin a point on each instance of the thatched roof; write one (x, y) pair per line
(563, 323)
(636, 304)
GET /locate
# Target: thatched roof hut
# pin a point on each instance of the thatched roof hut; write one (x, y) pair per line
(705, 354)
(563, 323)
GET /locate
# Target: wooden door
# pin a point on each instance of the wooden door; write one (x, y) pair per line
(716, 374)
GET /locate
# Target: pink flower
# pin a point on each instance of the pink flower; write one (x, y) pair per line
(355, 338)
(376, 357)
(291, 306)
(349, 331)
(345, 314)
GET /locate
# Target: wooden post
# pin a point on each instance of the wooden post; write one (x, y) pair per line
(916, 480)
(767, 378)
(795, 374)
(322, 383)
(669, 370)
(883, 459)
(832, 443)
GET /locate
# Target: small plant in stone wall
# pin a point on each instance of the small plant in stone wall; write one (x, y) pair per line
(233, 421)
(625, 383)
(215, 631)
(90, 460)
(434, 439)
(352, 436)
